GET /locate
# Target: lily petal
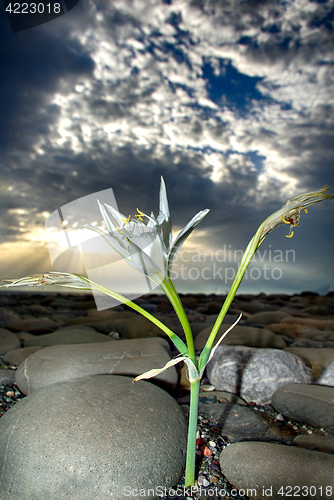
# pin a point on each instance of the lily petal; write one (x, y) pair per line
(110, 226)
(114, 240)
(115, 213)
(183, 235)
(147, 245)
(164, 219)
(163, 201)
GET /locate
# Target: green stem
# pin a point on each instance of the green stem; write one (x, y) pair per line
(179, 344)
(192, 431)
(169, 289)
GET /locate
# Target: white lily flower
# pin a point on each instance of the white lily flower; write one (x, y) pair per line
(290, 212)
(146, 246)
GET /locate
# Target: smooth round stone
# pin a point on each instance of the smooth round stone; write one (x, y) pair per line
(137, 327)
(97, 318)
(24, 336)
(213, 307)
(128, 325)
(7, 315)
(35, 325)
(265, 318)
(322, 324)
(39, 309)
(8, 341)
(242, 335)
(106, 314)
(256, 306)
(17, 356)
(117, 357)
(90, 439)
(294, 331)
(68, 335)
(315, 442)
(198, 327)
(272, 471)
(309, 403)
(228, 320)
(240, 423)
(255, 374)
(63, 304)
(190, 301)
(317, 343)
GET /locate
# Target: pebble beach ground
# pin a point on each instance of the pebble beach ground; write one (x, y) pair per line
(300, 325)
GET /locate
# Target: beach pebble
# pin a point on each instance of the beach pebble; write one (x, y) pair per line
(123, 357)
(68, 335)
(315, 442)
(255, 374)
(269, 470)
(202, 481)
(322, 324)
(213, 307)
(101, 321)
(16, 356)
(240, 423)
(7, 315)
(63, 304)
(256, 306)
(8, 341)
(190, 301)
(34, 325)
(242, 335)
(319, 342)
(294, 331)
(265, 318)
(90, 438)
(309, 403)
(24, 336)
(132, 327)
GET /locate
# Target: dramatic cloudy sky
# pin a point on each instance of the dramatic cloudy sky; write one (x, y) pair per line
(230, 101)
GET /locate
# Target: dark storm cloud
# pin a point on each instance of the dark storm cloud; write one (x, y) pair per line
(32, 65)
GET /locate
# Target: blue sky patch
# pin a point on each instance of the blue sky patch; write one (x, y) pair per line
(231, 88)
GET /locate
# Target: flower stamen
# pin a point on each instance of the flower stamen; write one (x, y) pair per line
(127, 220)
(140, 214)
(292, 223)
(289, 221)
